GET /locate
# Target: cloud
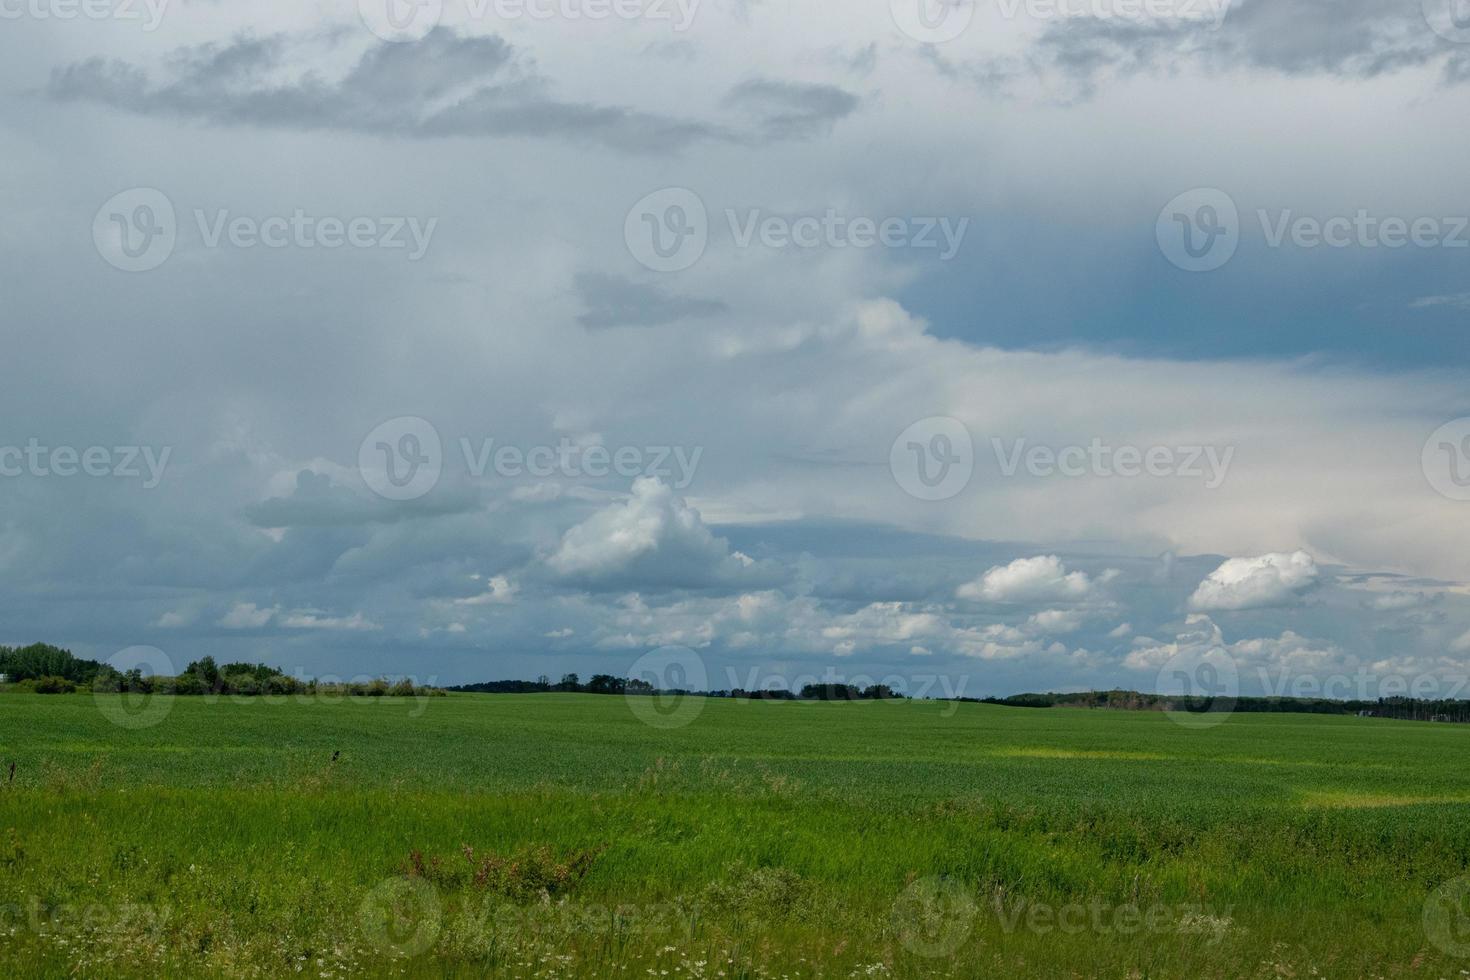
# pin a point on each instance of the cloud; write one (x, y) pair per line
(247, 616)
(652, 539)
(1275, 579)
(613, 301)
(317, 502)
(1040, 579)
(1056, 621)
(792, 110)
(444, 85)
(499, 591)
(1453, 301)
(1074, 56)
(315, 619)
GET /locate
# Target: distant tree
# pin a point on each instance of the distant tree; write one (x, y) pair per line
(569, 682)
(830, 692)
(606, 684)
(207, 671)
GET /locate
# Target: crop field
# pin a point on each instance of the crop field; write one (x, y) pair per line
(566, 836)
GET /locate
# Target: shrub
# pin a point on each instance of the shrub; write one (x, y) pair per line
(52, 685)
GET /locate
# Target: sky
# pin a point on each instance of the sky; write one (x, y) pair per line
(974, 348)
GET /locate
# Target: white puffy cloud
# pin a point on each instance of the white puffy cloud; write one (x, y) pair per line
(1040, 579)
(652, 539)
(1252, 583)
(316, 619)
(247, 616)
(1057, 621)
(499, 591)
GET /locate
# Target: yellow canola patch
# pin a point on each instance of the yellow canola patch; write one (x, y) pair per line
(1345, 800)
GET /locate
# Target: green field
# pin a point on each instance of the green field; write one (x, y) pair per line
(560, 835)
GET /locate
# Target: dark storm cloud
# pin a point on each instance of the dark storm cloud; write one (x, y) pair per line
(1350, 39)
(613, 301)
(792, 110)
(445, 85)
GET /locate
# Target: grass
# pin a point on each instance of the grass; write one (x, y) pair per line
(560, 836)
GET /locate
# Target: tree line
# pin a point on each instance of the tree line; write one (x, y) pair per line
(1398, 707)
(611, 684)
(45, 669)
